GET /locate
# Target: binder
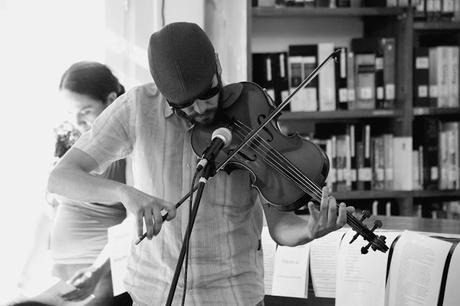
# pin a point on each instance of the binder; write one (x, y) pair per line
(388, 44)
(421, 77)
(326, 86)
(302, 61)
(341, 73)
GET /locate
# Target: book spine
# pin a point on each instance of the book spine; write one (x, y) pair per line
(389, 68)
(365, 81)
(421, 79)
(326, 84)
(351, 80)
(341, 80)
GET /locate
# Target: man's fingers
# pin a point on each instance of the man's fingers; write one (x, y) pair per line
(148, 222)
(323, 210)
(158, 220)
(351, 209)
(139, 224)
(171, 213)
(312, 209)
(332, 212)
(342, 219)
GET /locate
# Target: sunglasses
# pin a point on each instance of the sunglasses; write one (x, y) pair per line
(208, 94)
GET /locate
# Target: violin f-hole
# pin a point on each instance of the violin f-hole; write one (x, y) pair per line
(260, 119)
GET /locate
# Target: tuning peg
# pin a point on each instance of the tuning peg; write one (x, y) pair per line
(365, 250)
(377, 224)
(366, 214)
(354, 238)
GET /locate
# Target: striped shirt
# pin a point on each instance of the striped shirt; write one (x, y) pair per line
(225, 258)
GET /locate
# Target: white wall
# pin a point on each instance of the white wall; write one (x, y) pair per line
(275, 34)
(39, 40)
(180, 10)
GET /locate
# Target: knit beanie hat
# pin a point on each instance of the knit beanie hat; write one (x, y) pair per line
(182, 62)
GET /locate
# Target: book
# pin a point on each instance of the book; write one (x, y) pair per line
(388, 44)
(402, 163)
(326, 79)
(365, 81)
(341, 81)
(302, 61)
(388, 160)
(351, 80)
(263, 72)
(428, 140)
(421, 77)
(433, 76)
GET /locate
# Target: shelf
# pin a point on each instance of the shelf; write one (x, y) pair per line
(435, 193)
(339, 115)
(324, 11)
(433, 111)
(439, 25)
(385, 194)
(371, 194)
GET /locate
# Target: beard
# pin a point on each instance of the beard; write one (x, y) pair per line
(207, 118)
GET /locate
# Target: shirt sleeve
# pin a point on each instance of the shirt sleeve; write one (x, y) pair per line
(112, 136)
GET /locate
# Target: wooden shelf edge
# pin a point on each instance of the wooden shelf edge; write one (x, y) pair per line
(384, 194)
(334, 115)
(435, 193)
(436, 25)
(427, 111)
(371, 194)
(324, 11)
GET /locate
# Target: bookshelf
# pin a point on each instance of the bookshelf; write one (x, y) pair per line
(276, 12)
(273, 28)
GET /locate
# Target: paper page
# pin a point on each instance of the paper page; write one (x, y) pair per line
(268, 248)
(52, 295)
(290, 272)
(119, 243)
(323, 263)
(416, 270)
(361, 277)
(452, 293)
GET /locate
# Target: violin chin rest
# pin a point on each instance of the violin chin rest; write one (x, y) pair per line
(230, 94)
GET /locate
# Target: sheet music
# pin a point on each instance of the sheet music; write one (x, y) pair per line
(361, 277)
(452, 293)
(290, 276)
(416, 270)
(119, 243)
(268, 248)
(323, 263)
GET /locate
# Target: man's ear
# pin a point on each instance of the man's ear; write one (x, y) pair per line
(219, 67)
(111, 97)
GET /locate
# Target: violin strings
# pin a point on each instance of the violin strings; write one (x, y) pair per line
(279, 168)
(352, 220)
(312, 187)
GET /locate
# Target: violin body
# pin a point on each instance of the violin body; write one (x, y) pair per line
(278, 164)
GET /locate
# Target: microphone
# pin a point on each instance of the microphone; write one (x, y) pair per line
(220, 139)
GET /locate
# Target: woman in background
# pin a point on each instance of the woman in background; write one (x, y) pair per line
(79, 230)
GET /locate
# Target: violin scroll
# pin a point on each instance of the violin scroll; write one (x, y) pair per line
(375, 242)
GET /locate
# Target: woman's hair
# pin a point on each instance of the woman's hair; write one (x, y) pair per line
(92, 79)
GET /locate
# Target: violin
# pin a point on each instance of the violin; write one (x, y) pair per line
(287, 171)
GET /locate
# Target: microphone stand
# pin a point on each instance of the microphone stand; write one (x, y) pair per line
(208, 171)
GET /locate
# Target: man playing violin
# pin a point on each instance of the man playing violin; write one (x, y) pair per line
(151, 124)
